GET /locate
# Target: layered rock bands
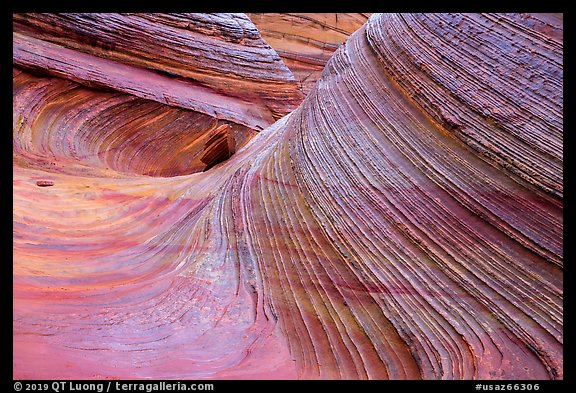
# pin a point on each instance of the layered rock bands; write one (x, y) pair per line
(403, 222)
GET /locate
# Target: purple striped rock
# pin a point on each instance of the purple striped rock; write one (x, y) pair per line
(404, 221)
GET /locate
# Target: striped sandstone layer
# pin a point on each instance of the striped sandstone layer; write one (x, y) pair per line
(61, 126)
(216, 64)
(404, 222)
(305, 42)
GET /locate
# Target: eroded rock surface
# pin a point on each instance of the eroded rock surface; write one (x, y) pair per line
(404, 222)
(216, 64)
(305, 42)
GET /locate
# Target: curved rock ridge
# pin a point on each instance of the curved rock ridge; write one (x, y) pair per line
(494, 80)
(359, 237)
(305, 42)
(216, 64)
(61, 126)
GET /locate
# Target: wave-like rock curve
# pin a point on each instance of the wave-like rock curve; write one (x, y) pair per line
(364, 235)
(216, 64)
(62, 126)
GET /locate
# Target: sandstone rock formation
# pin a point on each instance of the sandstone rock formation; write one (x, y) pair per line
(305, 42)
(216, 64)
(404, 222)
(63, 127)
